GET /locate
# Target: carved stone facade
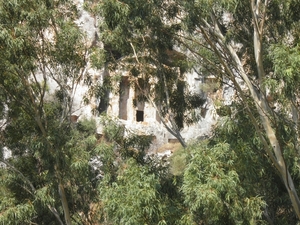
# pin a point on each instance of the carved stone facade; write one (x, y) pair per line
(141, 117)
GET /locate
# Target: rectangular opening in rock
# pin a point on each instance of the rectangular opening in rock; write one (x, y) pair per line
(139, 116)
(124, 96)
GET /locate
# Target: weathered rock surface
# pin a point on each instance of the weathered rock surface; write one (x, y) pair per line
(122, 107)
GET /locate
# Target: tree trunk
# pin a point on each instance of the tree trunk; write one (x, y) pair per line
(276, 153)
(64, 202)
(272, 147)
(264, 109)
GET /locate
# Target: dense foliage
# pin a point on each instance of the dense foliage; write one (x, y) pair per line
(41, 45)
(61, 172)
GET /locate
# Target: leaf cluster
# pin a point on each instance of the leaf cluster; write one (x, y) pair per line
(256, 172)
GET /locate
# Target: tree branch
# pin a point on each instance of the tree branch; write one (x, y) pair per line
(33, 190)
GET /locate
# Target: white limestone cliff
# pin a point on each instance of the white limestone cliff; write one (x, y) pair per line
(122, 107)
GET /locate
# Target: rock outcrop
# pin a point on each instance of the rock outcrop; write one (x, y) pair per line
(142, 118)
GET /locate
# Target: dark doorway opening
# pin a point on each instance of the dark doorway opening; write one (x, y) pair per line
(139, 116)
(124, 96)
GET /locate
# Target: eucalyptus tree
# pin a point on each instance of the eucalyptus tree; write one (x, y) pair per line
(136, 188)
(205, 183)
(255, 170)
(254, 45)
(41, 47)
(138, 41)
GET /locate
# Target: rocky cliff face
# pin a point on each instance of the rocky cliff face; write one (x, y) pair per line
(143, 119)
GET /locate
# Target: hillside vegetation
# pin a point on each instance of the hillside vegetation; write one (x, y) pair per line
(63, 172)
